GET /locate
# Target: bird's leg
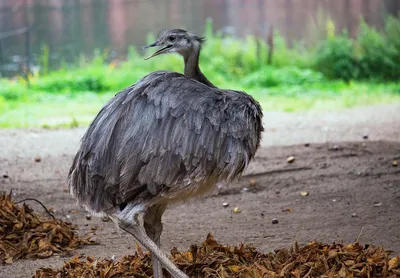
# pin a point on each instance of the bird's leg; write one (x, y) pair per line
(135, 229)
(153, 227)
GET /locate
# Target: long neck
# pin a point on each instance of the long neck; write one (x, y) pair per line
(192, 69)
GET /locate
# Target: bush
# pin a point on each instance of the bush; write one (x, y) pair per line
(377, 56)
(392, 28)
(372, 56)
(335, 57)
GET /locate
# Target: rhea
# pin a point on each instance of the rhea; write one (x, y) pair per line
(162, 140)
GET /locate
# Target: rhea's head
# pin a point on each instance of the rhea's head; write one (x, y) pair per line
(176, 40)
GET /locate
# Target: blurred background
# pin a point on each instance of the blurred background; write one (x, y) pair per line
(313, 50)
(74, 27)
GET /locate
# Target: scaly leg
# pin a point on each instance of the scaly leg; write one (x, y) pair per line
(138, 232)
(153, 227)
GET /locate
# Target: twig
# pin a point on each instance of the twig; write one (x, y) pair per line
(359, 235)
(33, 199)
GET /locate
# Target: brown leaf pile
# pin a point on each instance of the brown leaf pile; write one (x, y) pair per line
(215, 260)
(24, 234)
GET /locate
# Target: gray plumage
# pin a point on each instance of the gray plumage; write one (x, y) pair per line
(164, 139)
(161, 136)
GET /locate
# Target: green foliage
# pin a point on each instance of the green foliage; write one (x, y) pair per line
(372, 56)
(392, 28)
(12, 90)
(296, 56)
(288, 76)
(379, 58)
(335, 58)
(90, 79)
(233, 63)
(90, 76)
(229, 57)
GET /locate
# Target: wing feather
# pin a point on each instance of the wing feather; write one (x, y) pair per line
(160, 133)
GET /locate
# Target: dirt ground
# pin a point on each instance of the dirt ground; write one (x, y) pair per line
(354, 191)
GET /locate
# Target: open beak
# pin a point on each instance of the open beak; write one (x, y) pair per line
(158, 52)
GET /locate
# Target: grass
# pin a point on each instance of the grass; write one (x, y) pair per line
(55, 111)
(69, 111)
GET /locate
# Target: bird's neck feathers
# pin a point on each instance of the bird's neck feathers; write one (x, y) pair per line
(192, 69)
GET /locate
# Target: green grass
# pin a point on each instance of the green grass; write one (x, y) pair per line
(55, 111)
(297, 99)
(69, 111)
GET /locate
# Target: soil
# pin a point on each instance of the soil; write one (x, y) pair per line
(346, 168)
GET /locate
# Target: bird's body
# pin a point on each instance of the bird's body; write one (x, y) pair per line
(164, 139)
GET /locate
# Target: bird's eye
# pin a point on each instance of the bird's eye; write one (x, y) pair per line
(172, 38)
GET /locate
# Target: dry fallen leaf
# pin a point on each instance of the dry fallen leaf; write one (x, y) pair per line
(234, 268)
(24, 234)
(212, 259)
(394, 263)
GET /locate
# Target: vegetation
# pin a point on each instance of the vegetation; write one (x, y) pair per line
(339, 72)
(372, 56)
